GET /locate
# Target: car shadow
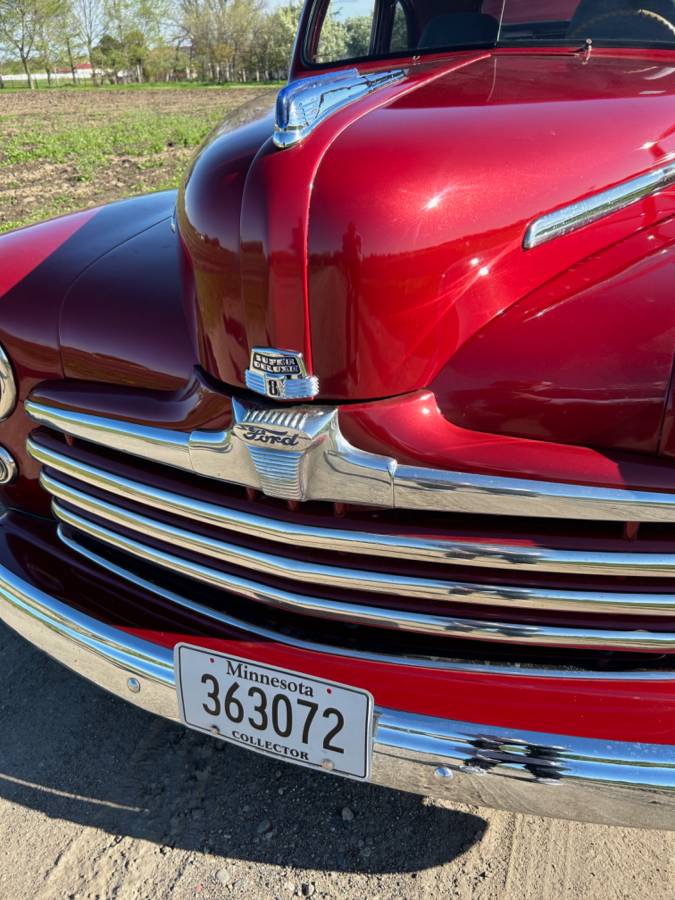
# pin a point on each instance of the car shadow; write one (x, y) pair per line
(74, 752)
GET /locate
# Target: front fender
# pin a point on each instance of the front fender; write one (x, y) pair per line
(39, 267)
(586, 359)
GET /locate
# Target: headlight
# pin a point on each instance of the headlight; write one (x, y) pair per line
(8, 467)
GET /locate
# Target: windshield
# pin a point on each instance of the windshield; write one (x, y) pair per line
(346, 30)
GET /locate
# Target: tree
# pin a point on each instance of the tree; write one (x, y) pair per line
(89, 19)
(274, 42)
(108, 56)
(138, 25)
(222, 35)
(54, 35)
(333, 40)
(357, 35)
(196, 23)
(216, 40)
(22, 23)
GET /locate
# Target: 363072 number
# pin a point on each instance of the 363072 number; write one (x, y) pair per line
(275, 710)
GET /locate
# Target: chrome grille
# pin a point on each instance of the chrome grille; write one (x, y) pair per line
(202, 540)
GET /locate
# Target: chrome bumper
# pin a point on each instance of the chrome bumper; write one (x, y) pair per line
(611, 782)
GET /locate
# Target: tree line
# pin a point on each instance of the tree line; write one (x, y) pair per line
(148, 40)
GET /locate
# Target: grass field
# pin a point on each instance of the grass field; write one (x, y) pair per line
(62, 150)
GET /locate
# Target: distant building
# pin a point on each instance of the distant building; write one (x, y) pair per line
(83, 72)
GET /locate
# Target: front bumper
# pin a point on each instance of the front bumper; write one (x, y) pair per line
(613, 782)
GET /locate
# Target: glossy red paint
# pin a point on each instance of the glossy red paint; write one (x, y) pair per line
(382, 289)
(243, 216)
(195, 405)
(208, 217)
(29, 331)
(599, 341)
(24, 250)
(413, 430)
(130, 330)
(667, 445)
(39, 266)
(405, 276)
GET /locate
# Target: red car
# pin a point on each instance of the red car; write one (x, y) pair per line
(360, 451)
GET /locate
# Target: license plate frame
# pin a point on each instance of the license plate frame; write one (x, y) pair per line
(332, 698)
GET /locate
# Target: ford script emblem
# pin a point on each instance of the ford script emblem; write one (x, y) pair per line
(280, 375)
(257, 434)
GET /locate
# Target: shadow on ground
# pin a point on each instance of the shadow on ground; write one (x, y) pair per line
(74, 752)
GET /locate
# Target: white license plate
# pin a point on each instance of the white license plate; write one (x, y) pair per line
(288, 715)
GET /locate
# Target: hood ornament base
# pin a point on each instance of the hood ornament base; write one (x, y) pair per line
(304, 103)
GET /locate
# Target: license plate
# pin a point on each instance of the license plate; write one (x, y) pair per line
(285, 714)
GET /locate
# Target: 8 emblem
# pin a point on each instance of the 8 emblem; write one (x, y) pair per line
(280, 375)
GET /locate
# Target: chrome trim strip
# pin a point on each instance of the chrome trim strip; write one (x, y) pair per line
(303, 104)
(438, 490)
(161, 444)
(583, 212)
(354, 579)
(437, 550)
(336, 471)
(380, 617)
(613, 782)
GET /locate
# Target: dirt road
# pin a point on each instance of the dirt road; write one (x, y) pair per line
(100, 800)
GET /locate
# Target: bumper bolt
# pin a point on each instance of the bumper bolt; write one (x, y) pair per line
(134, 685)
(328, 765)
(474, 770)
(443, 773)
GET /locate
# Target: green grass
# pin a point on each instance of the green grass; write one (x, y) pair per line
(59, 157)
(140, 134)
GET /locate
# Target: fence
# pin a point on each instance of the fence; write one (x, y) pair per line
(80, 75)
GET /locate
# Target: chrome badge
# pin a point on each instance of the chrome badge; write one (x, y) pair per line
(280, 375)
(280, 443)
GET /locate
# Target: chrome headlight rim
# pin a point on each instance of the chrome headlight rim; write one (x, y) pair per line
(8, 391)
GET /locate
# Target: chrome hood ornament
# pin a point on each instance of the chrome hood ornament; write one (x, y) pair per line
(280, 375)
(303, 104)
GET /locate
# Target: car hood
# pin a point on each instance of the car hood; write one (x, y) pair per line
(419, 209)
(394, 234)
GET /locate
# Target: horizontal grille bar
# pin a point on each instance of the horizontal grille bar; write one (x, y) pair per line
(358, 579)
(349, 475)
(492, 554)
(358, 614)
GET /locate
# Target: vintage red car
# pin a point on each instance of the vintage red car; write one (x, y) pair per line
(360, 451)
